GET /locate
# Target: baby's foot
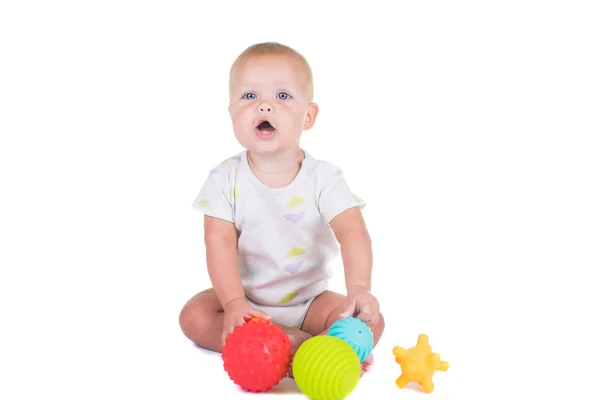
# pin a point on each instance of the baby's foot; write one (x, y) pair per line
(366, 365)
(297, 337)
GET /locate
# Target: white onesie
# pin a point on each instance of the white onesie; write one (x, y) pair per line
(285, 243)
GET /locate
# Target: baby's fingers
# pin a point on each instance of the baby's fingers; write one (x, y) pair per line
(231, 325)
(350, 309)
(239, 321)
(375, 315)
(259, 314)
(365, 315)
(369, 314)
(226, 332)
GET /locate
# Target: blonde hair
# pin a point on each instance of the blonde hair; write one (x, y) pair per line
(274, 48)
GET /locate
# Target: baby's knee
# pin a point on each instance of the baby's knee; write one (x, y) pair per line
(381, 321)
(378, 327)
(194, 320)
(187, 316)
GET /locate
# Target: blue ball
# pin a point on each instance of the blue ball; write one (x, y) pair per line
(356, 333)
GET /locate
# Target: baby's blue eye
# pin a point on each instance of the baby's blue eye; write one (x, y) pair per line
(283, 96)
(249, 96)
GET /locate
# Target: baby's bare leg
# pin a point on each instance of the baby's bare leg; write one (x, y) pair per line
(201, 320)
(297, 337)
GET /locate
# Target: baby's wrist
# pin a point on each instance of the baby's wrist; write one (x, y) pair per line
(358, 287)
(233, 302)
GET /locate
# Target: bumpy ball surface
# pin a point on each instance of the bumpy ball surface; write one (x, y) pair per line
(356, 333)
(326, 368)
(257, 355)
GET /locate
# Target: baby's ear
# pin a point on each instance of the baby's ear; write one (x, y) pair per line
(311, 115)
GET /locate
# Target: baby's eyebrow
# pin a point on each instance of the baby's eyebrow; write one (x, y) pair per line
(275, 84)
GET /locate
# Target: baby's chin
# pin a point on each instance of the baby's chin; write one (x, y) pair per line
(263, 148)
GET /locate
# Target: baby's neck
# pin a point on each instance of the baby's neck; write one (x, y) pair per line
(276, 170)
(277, 163)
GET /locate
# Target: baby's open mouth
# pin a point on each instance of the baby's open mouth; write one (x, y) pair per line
(265, 127)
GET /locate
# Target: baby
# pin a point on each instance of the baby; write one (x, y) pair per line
(274, 216)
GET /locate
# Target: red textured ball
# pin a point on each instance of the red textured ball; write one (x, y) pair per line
(257, 355)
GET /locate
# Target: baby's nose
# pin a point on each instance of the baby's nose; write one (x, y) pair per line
(265, 108)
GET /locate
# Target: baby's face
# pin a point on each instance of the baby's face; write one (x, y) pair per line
(269, 104)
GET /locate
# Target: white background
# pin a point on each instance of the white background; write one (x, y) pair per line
(470, 128)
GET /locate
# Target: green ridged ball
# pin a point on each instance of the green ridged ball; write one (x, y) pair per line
(326, 368)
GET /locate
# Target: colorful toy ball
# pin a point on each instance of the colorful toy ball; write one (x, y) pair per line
(326, 368)
(356, 333)
(257, 355)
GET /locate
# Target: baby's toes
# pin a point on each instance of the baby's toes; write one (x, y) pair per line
(365, 366)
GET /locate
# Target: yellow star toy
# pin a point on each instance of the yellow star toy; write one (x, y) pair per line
(418, 364)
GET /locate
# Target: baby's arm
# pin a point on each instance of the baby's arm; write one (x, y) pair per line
(355, 245)
(357, 255)
(220, 239)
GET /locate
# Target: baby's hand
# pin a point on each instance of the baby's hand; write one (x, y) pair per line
(362, 305)
(235, 314)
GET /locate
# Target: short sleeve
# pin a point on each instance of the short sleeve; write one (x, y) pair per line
(213, 198)
(335, 196)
